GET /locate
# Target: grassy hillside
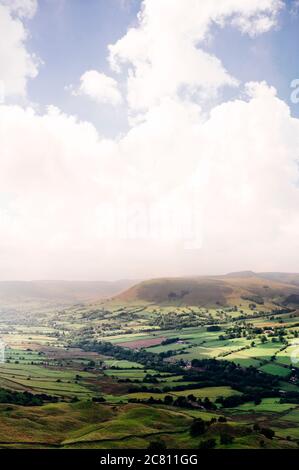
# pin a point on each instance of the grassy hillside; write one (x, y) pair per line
(90, 425)
(288, 278)
(212, 291)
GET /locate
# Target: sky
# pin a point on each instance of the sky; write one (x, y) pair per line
(142, 139)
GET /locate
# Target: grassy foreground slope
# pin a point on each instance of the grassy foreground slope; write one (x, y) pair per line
(91, 425)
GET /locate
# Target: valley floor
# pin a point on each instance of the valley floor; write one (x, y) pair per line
(115, 376)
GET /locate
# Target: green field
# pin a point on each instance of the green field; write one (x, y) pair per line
(270, 405)
(275, 369)
(210, 392)
(116, 396)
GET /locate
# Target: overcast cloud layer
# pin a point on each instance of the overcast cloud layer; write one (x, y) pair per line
(183, 191)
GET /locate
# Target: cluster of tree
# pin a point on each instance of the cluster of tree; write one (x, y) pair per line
(167, 389)
(279, 311)
(189, 402)
(207, 444)
(257, 299)
(214, 328)
(174, 320)
(95, 314)
(251, 332)
(217, 373)
(267, 432)
(173, 352)
(227, 353)
(225, 439)
(238, 331)
(98, 399)
(199, 427)
(169, 341)
(262, 313)
(148, 359)
(204, 372)
(290, 397)
(256, 397)
(25, 398)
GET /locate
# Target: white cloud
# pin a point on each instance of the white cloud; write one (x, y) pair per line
(294, 8)
(66, 186)
(23, 8)
(99, 87)
(17, 65)
(74, 205)
(163, 50)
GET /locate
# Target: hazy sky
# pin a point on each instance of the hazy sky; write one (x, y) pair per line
(148, 138)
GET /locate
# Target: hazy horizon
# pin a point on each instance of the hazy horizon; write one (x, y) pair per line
(222, 274)
(150, 140)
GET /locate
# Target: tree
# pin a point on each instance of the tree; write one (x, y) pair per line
(191, 397)
(181, 401)
(157, 446)
(207, 444)
(214, 328)
(168, 400)
(98, 399)
(226, 439)
(267, 432)
(222, 419)
(198, 427)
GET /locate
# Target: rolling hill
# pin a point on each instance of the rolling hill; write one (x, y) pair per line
(57, 292)
(231, 289)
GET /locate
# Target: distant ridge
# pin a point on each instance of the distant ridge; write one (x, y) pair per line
(233, 289)
(69, 292)
(242, 274)
(270, 288)
(288, 278)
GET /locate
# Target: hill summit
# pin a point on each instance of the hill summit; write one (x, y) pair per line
(268, 289)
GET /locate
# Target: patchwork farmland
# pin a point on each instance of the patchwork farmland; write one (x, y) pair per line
(135, 370)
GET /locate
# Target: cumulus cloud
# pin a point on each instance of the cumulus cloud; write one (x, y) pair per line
(17, 65)
(165, 51)
(182, 192)
(99, 87)
(87, 207)
(23, 8)
(294, 8)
